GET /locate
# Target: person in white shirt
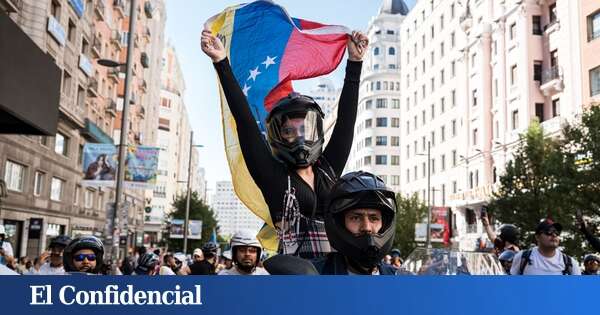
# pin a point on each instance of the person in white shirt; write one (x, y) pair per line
(5, 245)
(546, 258)
(52, 260)
(245, 251)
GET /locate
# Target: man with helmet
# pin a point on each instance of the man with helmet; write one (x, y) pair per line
(84, 255)
(360, 224)
(295, 174)
(590, 264)
(52, 260)
(207, 265)
(508, 236)
(146, 264)
(506, 259)
(245, 252)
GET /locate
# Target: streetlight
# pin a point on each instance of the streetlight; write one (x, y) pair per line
(428, 236)
(114, 256)
(189, 190)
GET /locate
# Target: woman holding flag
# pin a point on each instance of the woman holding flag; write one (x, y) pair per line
(296, 174)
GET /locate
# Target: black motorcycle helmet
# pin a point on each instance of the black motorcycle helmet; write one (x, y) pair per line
(146, 263)
(361, 190)
(304, 150)
(509, 233)
(84, 242)
(210, 250)
(60, 241)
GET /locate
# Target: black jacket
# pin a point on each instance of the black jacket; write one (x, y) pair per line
(335, 264)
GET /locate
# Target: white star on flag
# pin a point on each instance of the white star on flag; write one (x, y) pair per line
(269, 61)
(253, 74)
(246, 89)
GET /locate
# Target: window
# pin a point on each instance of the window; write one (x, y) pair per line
(76, 195)
(72, 32)
(391, 66)
(433, 138)
(376, 67)
(56, 189)
(381, 140)
(442, 22)
(432, 167)
(432, 111)
(395, 141)
(513, 31)
(473, 60)
(537, 71)
(539, 111)
(55, 9)
(442, 50)
(395, 103)
(369, 104)
(442, 105)
(423, 144)
(390, 32)
(368, 142)
(381, 122)
(453, 128)
(67, 82)
(408, 151)
(442, 77)
(452, 11)
(453, 96)
(88, 199)
(381, 102)
(474, 97)
(454, 158)
(378, 85)
(415, 173)
(515, 119)
(38, 183)
(80, 97)
(392, 51)
(423, 169)
(432, 85)
(443, 134)
(537, 24)
(61, 144)
(556, 107)
(454, 187)
(369, 123)
(443, 162)
(80, 155)
(395, 122)
(381, 160)
(453, 69)
(14, 176)
(376, 51)
(407, 127)
(452, 39)
(432, 56)
(471, 181)
(593, 25)
(432, 31)
(552, 12)
(395, 160)
(423, 115)
(513, 75)
(595, 81)
(395, 180)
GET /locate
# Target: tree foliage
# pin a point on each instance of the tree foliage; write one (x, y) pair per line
(411, 210)
(198, 211)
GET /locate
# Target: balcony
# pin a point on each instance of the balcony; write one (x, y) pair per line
(471, 228)
(97, 46)
(551, 27)
(553, 125)
(117, 39)
(10, 6)
(119, 6)
(93, 87)
(95, 133)
(99, 9)
(551, 81)
(111, 108)
(113, 73)
(466, 21)
(142, 112)
(148, 9)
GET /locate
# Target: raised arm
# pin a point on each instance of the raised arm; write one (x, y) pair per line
(340, 144)
(261, 164)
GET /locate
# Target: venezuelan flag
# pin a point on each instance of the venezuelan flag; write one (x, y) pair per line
(267, 50)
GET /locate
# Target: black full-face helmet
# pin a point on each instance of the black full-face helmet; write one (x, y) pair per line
(295, 130)
(84, 242)
(361, 190)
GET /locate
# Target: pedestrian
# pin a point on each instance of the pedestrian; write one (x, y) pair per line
(295, 174)
(506, 259)
(246, 252)
(146, 264)
(396, 260)
(590, 264)
(507, 238)
(197, 267)
(545, 258)
(592, 240)
(51, 262)
(84, 255)
(6, 249)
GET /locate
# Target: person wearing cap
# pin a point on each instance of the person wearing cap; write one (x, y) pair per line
(590, 264)
(545, 258)
(246, 252)
(396, 260)
(506, 239)
(196, 268)
(50, 262)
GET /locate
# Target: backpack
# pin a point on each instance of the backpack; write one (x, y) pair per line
(526, 260)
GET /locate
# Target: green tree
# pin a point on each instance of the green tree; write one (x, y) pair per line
(411, 210)
(198, 211)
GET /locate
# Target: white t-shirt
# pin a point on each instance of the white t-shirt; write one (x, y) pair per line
(540, 265)
(47, 270)
(8, 250)
(166, 271)
(5, 271)
(258, 271)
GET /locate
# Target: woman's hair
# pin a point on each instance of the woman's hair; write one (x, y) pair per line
(101, 156)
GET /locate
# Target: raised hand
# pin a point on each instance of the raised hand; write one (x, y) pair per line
(212, 46)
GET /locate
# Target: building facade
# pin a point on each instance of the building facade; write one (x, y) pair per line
(231, 213)
(43, 174)
(474, 75)
(376, 146)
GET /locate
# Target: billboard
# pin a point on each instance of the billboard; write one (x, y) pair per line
(194, 229)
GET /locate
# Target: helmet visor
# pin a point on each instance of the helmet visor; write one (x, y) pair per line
(365, 199)
(300, 126)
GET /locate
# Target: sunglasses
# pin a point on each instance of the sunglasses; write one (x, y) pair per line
(81, 257)
(552, 232)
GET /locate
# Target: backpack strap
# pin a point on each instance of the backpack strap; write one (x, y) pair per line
(525, 260)
(568, 264)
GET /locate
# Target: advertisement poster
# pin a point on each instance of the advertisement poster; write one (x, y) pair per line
(140, 167)
(439, 227)
(194, 229)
